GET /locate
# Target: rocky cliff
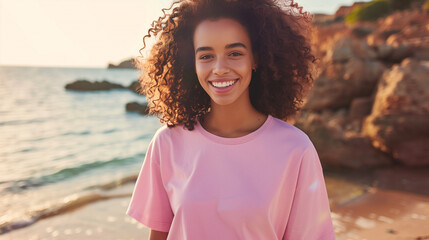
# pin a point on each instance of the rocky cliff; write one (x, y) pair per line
(369, 105)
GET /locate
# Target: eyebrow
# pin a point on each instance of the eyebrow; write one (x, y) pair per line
(231, 45)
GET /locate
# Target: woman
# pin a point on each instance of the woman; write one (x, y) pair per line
(222, 75)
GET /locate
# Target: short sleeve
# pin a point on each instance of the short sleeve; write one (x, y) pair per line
(310, 217)
(149, 203)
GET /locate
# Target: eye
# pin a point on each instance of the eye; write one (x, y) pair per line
(236, 54)
(205, 57)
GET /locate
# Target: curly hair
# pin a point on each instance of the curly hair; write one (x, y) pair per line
(282, 52)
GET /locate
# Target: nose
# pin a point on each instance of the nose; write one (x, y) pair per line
(220, 67)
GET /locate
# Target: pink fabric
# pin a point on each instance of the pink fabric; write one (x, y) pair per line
(265, 185)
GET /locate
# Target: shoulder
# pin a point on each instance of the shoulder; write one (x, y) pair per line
(166, 134)
(165, 141)
(297, 141)
(287, 132)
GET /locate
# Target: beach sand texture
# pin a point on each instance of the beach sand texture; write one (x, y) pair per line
(360, 210)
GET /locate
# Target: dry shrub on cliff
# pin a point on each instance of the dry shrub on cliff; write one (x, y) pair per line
(426, 6)
(370, 11)
(375, 9)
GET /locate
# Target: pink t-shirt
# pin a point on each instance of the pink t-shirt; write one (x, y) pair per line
(267, 185)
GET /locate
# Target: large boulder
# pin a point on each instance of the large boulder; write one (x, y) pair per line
(323, 35)
(402, 20)
(395, 52)
(362, 31)
(422, 48)
(85, 85)
(399, 121)
(400, 35)
(360, 108)
(340, 83)
(337, 146)
(341, 50)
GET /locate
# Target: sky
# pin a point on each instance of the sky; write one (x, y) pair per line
(87, 33)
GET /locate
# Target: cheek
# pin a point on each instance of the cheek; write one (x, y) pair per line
(243, 67)
(201, 70)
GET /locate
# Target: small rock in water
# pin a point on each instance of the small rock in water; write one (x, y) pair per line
(137, 107)
(135, 87)
(85, 85)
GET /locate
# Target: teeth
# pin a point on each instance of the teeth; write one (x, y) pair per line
(223, 84)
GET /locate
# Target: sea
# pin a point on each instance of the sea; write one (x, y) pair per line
(59, 148)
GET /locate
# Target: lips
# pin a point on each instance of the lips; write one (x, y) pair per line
(223, 83)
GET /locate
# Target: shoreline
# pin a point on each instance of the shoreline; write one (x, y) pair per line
(100, 220)
(363, 206)
(116, 189)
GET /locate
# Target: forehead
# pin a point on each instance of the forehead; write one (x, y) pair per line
(220, 32)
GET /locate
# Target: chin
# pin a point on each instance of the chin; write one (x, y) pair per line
(222, 102)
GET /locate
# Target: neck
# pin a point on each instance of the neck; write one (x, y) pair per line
(233, 120)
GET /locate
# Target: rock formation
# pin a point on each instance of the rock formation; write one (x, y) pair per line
(338, 141)
(129, 63)
(135, 87)
(369, 105)
(137, 107)
(85, 85)
(399, 121)
(349, 70)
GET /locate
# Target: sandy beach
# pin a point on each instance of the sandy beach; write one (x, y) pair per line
(364, 206)
(104, 219)
(387, 204)
(383, 215)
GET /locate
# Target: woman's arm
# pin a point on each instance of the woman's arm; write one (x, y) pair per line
(157, 235)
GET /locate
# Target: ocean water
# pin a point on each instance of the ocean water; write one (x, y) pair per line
(61, 148)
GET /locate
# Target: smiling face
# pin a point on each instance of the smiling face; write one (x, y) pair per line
(223, 60)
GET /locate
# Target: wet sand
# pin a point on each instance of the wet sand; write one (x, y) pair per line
(381, 204)
(104, 219)
(383, 215)
(393, 204)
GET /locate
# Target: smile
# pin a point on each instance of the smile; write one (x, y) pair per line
(223, 84)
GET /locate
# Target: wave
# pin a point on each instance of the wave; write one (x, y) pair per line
(110, 131)
(114, 184)
(27, 149)
(76, 133)
(65, 134)
(22, 122)
(65, 205)
(82, 133)
(66, 173)
(89, 132)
